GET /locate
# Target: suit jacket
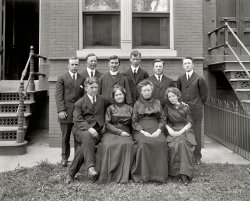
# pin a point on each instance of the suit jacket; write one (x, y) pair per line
(67, 93)
(85, 74)
(107, 81)
(134, 81)
(194, 91)
(86, 115)
(161, 87)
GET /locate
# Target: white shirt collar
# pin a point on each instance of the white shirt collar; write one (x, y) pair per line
(135, 69)
(91, 98)
(190, 73)
(71, 74)
(158, 76)
(90, 70)
(113, 73)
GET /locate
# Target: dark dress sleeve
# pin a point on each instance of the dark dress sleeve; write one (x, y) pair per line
(135, 118)
(108, 120)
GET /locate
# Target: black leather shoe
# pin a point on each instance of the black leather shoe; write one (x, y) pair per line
(69, 179)
(92, 172)
(184, 179)
(198, 161)
(64, 162)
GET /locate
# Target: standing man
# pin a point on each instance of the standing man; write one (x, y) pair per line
(160, 81)
(113, 77)
(69, 88)
(91, 71)
(89, 124)
(135, 74)
(194, 92)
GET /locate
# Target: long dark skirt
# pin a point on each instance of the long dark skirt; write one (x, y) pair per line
(114, 158)
(151, 160)
(181, 155)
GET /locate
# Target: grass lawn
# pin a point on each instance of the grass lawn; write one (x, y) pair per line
(46, 182)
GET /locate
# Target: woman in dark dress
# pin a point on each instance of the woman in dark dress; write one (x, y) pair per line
(181, 141)
(151, 160)
(116, 150)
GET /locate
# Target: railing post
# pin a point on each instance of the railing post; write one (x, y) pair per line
(226, 37)
(20, 114)
(32, 69)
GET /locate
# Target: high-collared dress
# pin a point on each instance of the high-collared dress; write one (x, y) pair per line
(115, 153)
(151, 159)
(181, 148)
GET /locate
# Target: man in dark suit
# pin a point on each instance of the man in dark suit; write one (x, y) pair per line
(113, 77)
(194, 92)
(91, 71)
(160, 81)
(69, 88)
(88, 127)
(135, 74)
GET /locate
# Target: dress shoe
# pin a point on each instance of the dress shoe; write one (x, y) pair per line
(69, 179)
(92, 172)
(198, 161)
(64, 162)
(184, 179)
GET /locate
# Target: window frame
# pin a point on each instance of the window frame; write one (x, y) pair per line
(126, 34)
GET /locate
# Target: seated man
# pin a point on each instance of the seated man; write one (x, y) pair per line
(88, 126)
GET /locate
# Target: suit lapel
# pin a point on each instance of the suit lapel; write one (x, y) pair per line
(69, 78)
(191, 79)
(131, 74)
(139, 74)
(98, 103)
(163, 81)
(155, 81)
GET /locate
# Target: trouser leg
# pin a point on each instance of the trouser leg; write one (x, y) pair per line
(66, 131)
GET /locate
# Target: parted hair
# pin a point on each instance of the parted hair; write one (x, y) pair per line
(144, 83)
(91, 80)
(189, 57)
(158, 60)
(135, 53)
(173, 90)
(116, 88)
(114, 57)
(90, 55)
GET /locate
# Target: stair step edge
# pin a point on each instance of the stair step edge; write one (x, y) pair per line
(245, 101)
(10, 128)
(242, 90)
(15, 102)
(14, 114)
(240, 79)
(12, 143)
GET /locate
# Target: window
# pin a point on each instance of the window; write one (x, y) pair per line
(101, 23)
(118, 26)
(151, 24)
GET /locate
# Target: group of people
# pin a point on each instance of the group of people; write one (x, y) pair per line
(144, 128)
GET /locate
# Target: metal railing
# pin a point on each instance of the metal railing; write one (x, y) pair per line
(22, 92)
(226, 44)
(228, 123)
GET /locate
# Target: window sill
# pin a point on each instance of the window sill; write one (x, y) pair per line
(146, 53)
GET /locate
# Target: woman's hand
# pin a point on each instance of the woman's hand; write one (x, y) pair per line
(147, 134)
(125, 134)
(156, 133)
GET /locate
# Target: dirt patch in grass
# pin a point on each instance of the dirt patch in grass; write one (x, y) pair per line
(46, 182)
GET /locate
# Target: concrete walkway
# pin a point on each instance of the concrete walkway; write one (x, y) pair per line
(39, 150)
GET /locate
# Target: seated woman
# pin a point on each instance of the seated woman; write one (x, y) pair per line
(181, 140)
(151, 160)
(116, 150)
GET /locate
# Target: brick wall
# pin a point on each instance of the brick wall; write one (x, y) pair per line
(188, 27)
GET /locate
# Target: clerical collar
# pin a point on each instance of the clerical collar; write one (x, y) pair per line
(71, 74)
(113, 73)
(135, 69)
(90, 70)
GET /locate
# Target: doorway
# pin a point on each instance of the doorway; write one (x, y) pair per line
(238, 14)
(20, 31)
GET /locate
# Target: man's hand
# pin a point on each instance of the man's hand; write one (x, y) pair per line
(93, 132)
(125, 134)
(62, 115)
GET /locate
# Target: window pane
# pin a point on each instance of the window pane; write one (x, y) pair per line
(101, 30)
(101, 5)
(151, 31)
(151, 5)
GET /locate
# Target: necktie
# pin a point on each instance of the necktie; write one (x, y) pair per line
(188, 77)
(159, 78)
(91, 74)
(94, 101)
(74, 77)
(134, 74)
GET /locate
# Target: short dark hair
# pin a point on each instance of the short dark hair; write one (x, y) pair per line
(158, 60)
(91, 80)
(173, 90)
(73, 58)
(114, 57)
(120, 88)
(144, 83)
(135, 53)
(90, 55)
(189, 57)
